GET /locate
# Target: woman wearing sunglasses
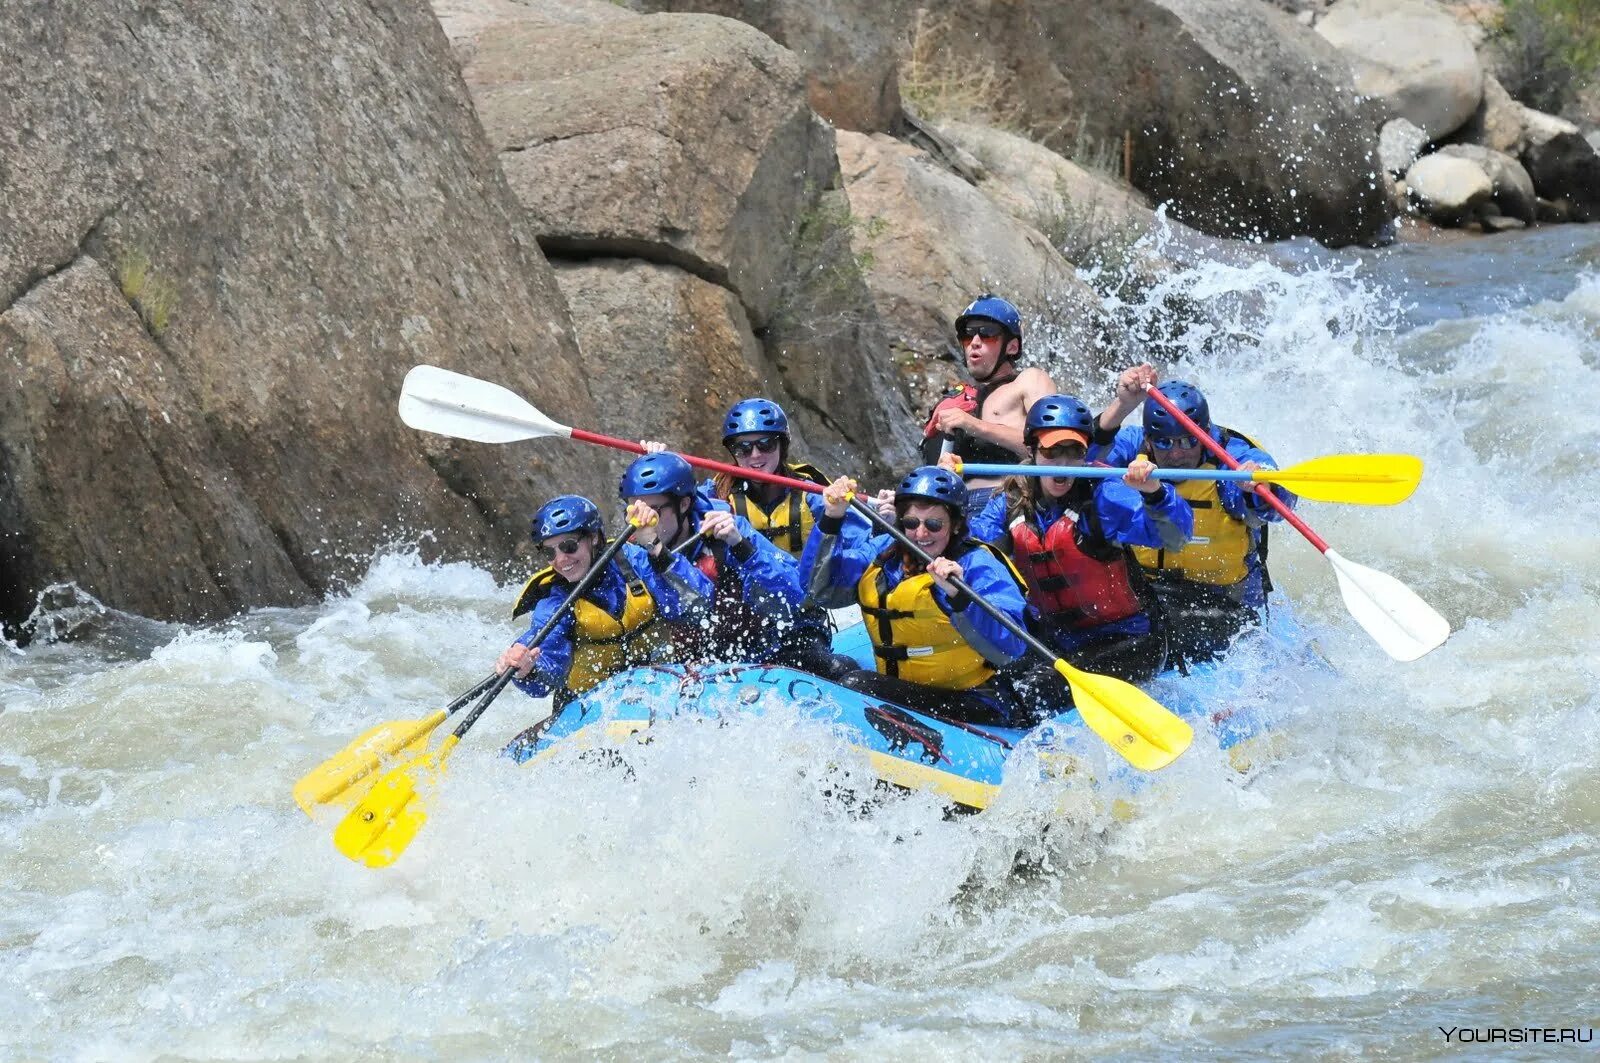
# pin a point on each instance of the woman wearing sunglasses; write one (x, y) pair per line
(1071, 538)
(756, 434)
(1217, 584)
(616, 624)
(934, 648)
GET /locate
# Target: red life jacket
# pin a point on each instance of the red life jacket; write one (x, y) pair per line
(707, 563)
(968, 448)
(1065, 584)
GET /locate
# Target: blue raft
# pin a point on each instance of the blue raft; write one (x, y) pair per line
(963, 762)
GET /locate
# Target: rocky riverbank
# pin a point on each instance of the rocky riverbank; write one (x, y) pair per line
(227, 238)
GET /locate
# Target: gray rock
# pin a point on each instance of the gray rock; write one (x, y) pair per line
(1554, 211)
(1243, 121)
(1513, 188)
(1448, 190)
(1399, 144)
(848, 49)
(1497, 123)
(1563, 164)
(298, 201)
(934, 243)
(684, 139)
(1411, 54)
(1567, 167)
(1499, 223)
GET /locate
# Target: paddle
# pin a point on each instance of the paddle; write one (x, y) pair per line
(378, 829)
(1404, 625)
(336, 779)
(437, 400)
(1355, 479)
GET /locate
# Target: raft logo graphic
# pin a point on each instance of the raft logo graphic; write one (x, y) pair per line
(1517, 1035)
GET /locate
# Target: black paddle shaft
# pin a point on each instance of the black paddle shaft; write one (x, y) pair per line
(582, 585)
(961, 585)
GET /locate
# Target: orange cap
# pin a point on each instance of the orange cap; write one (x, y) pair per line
(1051, 437)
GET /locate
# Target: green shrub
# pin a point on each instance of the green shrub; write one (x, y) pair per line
(1549, 48)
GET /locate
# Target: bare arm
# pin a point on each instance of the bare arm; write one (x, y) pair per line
(1032, 385)
(1131, 383)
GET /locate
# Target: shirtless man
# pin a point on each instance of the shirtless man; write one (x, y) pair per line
(984, 420)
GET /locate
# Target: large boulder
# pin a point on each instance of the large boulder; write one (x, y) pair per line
(1244, 121)
(935, 242)
(1564, 166)
(1513, 189)
(1412, 55)
(1095, 220)
(1497, 124)
(1448, 190)
(298, 202)
(686, 141)
(848, 48)
(649, 331)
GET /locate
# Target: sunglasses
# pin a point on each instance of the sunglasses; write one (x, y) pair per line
(1063, 453)
(933, 524)
(566, 546)
(743, 448)
(1168, 442)
(988, 331)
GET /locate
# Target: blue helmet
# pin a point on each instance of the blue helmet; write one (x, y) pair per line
(665, 473)
(996, 309)
(1058, 412)
(755, 415)
(933, 484)
(1186, 397)
(567, 513)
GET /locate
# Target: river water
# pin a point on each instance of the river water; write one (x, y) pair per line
(1420, 851)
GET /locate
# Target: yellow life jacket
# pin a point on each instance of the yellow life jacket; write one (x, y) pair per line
(1217, 551)
(602, 645)
(912, 638)
(789, 520)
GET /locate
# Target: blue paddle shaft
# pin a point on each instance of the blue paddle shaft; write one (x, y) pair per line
(1099, 472)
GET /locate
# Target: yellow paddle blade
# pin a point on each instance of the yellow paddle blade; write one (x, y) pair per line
(379, 828)
(1356, 479)
(1146, 733)
(344, 777)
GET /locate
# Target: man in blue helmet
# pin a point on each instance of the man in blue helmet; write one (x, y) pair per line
(615, 625)
(752, 613)
(1072, 538)
(983, 420)
(1217, 584)
(934, 648)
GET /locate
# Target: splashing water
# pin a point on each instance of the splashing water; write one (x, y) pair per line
(1419, 852)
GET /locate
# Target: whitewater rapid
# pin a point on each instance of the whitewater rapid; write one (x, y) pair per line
(1421, 850)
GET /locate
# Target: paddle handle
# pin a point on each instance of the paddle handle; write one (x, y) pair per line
(1102, 472)
(1221, 454)
(477, 688)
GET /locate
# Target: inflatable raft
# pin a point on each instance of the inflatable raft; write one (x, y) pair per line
(963, 762)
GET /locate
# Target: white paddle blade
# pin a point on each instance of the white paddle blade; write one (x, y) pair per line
(453, 404)
(1402, 623)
